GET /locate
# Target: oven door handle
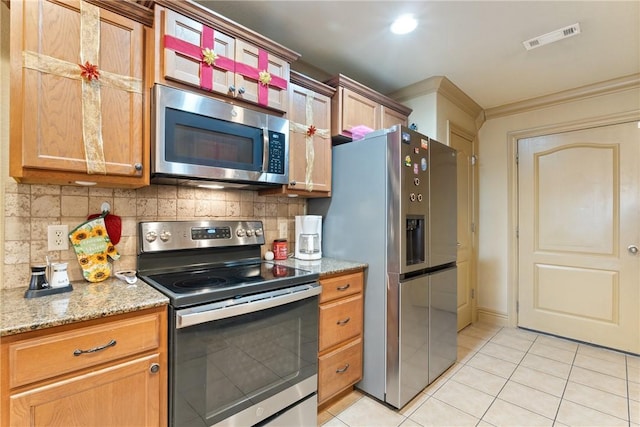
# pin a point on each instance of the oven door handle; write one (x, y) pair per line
(243, 305)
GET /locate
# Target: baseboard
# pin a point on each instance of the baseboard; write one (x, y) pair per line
(492, 317)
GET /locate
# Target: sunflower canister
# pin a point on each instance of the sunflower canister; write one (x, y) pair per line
(93, 248)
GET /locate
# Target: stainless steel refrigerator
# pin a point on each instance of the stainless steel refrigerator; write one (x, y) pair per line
(393, 206)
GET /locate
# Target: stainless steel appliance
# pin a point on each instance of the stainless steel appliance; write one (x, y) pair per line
(394, 208)
(196, 138)
(243, 334)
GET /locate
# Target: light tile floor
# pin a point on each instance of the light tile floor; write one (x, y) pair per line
(512, 377)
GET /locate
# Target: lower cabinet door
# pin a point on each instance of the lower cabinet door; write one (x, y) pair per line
(339, 369)
(126, 394)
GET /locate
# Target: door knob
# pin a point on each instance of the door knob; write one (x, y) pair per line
(633, 249)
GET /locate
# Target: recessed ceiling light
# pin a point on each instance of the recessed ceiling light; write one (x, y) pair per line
(404, 24)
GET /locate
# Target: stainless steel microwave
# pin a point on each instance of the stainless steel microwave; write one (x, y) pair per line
(196, 139)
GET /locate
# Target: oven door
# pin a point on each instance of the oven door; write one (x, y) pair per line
(242, 361)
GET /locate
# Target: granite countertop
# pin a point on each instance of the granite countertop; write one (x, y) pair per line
(324, 266)
(95, 300)
(85, 302)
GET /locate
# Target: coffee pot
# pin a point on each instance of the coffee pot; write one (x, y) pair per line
(308, 237)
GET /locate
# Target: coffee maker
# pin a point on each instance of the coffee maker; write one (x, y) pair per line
(308, 237)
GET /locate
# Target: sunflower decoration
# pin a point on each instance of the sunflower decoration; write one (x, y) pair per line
(94, 249)
(77, 236)
(99, 231)
(98, 274)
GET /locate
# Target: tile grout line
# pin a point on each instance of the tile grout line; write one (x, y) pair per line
(626, 365)
(507, 381)
(575, 354)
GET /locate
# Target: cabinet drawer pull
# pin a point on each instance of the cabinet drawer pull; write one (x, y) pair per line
(342, 370)
(343, 322)
(78, 352)
(344, 288)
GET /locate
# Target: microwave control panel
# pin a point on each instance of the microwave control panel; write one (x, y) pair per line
(276, 153)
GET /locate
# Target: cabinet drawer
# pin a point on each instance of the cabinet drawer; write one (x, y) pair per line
(45, 357)
(341, 286)
(340, 320)
(339, 369)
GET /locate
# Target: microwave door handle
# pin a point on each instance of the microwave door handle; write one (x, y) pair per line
(265, 149)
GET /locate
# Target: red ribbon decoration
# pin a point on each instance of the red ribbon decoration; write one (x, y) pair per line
(254, 73)
(195, 52)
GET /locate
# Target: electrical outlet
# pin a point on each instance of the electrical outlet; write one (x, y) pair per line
(58, 237)
(282, 229)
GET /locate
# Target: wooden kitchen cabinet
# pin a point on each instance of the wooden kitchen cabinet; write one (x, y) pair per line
(120, 379)
(354, 110)
(354, 104)
(64, 127)
(309, 155)
(392, 117)
(340, 340)
(201, 49)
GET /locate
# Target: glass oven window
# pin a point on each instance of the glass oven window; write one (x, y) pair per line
(227, 365)
(205, 141)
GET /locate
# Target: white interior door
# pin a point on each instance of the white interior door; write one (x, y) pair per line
(579, 215)
(464, 145)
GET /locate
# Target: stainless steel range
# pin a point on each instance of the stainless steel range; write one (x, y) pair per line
(243, 333)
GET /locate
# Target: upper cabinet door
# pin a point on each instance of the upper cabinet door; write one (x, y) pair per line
(261, 77)
(197, 54)
(76, 94)
(392, 117)
(358, 110)
(309, 141)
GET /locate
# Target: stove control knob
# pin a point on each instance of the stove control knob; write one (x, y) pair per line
(250, 233)
(151, 236)
(259, 232)
(165, 235)
(241, 232)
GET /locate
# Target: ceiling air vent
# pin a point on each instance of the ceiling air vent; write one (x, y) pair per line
(553, 36)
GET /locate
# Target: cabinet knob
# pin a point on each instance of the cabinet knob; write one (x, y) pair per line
(138, 167)
(293, 183)
(241, 91)
(154, 368)
(232, 88)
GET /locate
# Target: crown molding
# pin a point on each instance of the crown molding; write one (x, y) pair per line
(609, 86)
(441, 86)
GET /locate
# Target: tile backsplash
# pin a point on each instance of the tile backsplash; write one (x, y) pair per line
(29, 209)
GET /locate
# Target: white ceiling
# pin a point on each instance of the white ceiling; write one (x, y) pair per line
(475, 44)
